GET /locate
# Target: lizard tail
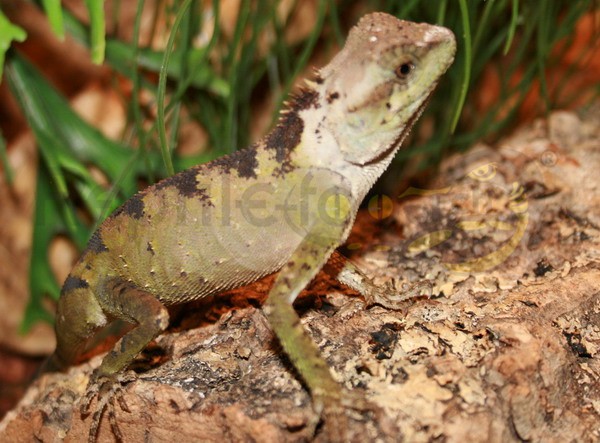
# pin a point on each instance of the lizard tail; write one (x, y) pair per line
(50, 364)
(78, 317)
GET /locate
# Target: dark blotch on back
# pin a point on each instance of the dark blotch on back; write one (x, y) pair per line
(243, 161)
(134, 207)
(286, 136)
(96, 245)
(306, 98)
(72, 283)
(185, 183)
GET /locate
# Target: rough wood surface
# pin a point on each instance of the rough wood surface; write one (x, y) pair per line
(507, 349)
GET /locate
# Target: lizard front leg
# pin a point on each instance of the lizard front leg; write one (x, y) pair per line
(329, 399)
(129, 303)
(302, 351)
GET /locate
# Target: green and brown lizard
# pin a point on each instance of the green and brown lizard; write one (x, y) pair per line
(284, 204)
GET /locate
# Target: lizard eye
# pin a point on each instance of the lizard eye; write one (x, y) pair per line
(404, 70)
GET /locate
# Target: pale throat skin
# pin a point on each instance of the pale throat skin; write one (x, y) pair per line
(284, 204)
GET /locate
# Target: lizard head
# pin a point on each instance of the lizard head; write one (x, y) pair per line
(377, 86)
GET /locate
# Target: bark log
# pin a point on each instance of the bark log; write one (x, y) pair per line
(506, 349)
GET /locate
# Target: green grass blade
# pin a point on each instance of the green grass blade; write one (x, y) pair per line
(162, 87)
(97, 29)
(514, 18)
(135, 95)
(467, 64)
(441, 14)
(55, 17)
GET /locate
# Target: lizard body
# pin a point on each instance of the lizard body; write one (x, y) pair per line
(283, 204)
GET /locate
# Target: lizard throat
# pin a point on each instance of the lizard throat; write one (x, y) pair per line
(395, 145)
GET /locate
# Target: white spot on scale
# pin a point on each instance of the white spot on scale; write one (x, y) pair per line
(373, 39)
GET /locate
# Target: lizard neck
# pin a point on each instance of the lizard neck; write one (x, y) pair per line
(319, 147)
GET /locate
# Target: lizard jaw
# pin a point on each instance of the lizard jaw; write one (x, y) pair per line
(397, 143)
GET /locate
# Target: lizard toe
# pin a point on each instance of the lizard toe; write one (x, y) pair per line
(107, 389)
(390, 297)
(345, 419)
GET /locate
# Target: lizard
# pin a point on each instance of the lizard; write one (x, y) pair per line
(282, 205)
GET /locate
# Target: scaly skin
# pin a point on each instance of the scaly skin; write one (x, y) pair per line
(284, 204)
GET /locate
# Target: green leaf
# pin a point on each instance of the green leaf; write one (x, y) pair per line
(48, 113)
(8, 33)
(55, 17)
(47, 223)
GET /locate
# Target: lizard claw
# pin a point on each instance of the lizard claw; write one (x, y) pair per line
(389, 296)
(336, 413)
(107, 388)
(330, 410)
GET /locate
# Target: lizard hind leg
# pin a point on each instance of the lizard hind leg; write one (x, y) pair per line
(134, 305)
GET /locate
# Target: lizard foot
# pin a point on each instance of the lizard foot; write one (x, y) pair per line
(107, 389)
(390, 297)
